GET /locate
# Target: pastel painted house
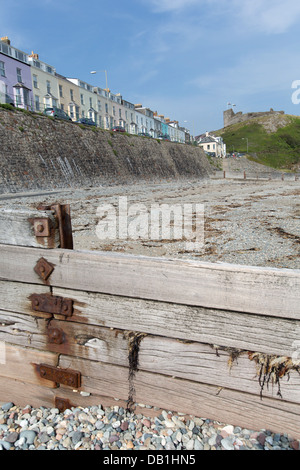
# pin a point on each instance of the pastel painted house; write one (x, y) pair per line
(44, 84)
(212, 144)
(15, 77)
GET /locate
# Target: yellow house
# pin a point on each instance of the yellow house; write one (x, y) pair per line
(44, 83)
(69, 97)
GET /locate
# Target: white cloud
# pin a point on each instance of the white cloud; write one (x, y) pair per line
(267, 16)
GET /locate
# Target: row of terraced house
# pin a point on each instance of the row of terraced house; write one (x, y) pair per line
(27, 82)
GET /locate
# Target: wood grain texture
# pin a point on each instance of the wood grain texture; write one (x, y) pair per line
(17, 228)
(221, 404)
(217, 327)
(264, 291)
(158, 354)
(211, 326)
(21, 364)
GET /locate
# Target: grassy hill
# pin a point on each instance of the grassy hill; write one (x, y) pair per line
(272, 140)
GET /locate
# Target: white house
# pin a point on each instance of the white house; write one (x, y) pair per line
(144, 120)
(212, 144)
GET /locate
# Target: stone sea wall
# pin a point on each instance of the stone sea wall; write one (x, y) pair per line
(40, 153)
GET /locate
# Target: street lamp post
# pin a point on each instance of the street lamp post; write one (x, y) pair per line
(105, 71)
(106, 92)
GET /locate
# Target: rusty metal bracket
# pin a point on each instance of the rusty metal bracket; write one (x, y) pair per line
(55, 305)
(63, 215)
(43, 268)
(69, 377)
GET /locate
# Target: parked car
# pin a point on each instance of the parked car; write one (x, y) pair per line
(58, 113)
(164, 137)
(86, 121)
(118, 129)
(145, 134)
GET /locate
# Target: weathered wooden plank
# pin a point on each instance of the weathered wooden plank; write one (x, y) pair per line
(221, 327)
(204, 363)
(23, 394)
(15, 296)
(265, 291)
(21, 364)
(189, 397)
(17, 227)
(179, 395)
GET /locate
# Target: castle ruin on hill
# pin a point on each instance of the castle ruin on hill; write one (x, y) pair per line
(229, 117)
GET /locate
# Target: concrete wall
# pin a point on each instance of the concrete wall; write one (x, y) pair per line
(37, 152)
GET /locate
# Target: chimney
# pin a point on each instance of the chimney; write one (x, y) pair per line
(34, 56)
(5, 39)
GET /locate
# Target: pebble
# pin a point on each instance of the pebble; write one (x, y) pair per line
(114, 428)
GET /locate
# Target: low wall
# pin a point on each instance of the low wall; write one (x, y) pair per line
(38, 152)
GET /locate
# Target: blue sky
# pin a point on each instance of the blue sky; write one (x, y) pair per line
(185, 59)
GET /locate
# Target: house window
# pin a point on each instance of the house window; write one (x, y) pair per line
(48, 86)
(18, 97)
(2, 68)
(114, 110)
(5, 49)
(99, 106)
(20, 56)
(19, 75)
(37, 64)
(61, 91)
(106, 108)
(81, 99)
(35, 81)
(26, 97)
(120, 112)
(72, 95)
(37, 102)
(91, 102)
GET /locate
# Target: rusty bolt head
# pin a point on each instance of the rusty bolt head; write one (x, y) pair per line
(40, 228)
(43, 268)
(56, 335)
